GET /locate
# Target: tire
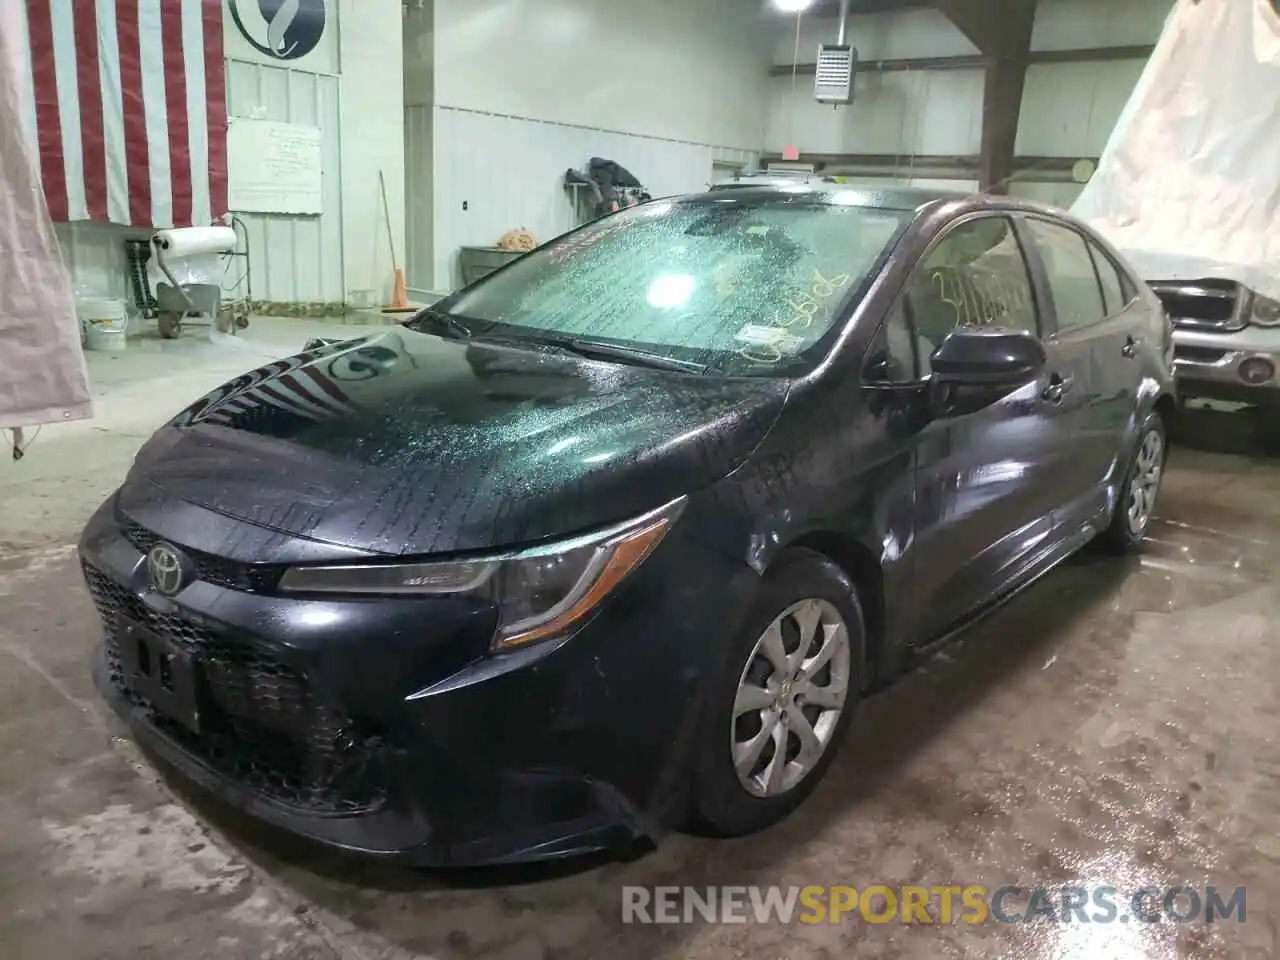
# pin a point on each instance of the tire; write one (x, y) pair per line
(801, 584)
(1124, 534)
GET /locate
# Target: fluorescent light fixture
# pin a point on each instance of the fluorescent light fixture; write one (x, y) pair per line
(793, 6)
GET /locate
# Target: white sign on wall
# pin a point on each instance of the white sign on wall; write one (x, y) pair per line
(274, 167)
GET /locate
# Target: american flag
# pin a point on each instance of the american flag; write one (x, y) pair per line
(127, 102)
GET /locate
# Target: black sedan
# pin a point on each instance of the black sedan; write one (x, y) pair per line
(615, 539)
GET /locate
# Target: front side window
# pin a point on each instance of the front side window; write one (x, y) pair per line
(1077, 295)
(976, 276)
(743, 287)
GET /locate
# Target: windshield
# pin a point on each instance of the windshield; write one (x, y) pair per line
(742, 288)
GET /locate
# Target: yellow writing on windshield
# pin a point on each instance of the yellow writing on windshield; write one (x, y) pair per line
(793, 315)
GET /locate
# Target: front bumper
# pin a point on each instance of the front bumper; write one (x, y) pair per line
(374, 727)
(1213, 365)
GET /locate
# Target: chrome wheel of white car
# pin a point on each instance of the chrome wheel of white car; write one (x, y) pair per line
(790, 698)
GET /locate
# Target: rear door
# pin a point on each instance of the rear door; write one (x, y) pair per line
(987, 481)
(1097, 340)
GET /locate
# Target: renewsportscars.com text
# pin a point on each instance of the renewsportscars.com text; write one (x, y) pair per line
(931, 905)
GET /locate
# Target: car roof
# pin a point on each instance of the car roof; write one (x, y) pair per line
(854, 194)
(906, 199)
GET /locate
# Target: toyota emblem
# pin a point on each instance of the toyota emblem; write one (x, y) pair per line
(167, 569)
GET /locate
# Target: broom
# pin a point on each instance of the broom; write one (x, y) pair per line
(399, 298)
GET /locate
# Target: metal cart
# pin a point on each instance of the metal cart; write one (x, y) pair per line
(206, 304)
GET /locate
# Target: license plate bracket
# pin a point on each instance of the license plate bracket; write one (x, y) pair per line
(160, 671)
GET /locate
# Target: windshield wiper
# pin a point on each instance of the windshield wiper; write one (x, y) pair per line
(642, 358)
(446, 324)
(454, 328)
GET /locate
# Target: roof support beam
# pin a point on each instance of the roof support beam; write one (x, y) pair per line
(1002, 33)
(1001, 110)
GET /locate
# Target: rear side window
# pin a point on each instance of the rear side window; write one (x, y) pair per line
(1077, 295)
(1113, 290)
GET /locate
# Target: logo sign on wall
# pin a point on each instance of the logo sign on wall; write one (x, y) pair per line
(282, 29)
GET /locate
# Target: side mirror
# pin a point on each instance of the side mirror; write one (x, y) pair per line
(976, 366)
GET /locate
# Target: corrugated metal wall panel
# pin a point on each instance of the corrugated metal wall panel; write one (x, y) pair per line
(928, 183)
(494, 173)
(94, 253)
(1055, 194)
(1074, 24)
(1070, 109)
(920, 112)
(877, 36)
(419, 187)
(294, 258)
(729, 156)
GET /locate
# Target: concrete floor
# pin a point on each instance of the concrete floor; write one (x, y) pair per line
(1116, 725)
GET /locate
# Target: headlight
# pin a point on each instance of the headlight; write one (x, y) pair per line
(540, 593)
(1266, 313)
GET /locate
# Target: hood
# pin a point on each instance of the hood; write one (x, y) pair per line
(405, 443)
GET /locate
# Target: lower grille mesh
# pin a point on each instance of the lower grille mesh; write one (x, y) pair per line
(261, 723)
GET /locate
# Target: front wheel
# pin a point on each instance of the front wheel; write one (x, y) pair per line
(784, 697)
(1137, 501)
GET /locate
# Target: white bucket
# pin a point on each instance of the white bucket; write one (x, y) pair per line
(105, 323)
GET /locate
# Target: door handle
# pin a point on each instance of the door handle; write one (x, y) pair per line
(1057, 389)
(1130, 348)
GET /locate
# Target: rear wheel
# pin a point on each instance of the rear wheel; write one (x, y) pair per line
(784, 698)
(1137, 501)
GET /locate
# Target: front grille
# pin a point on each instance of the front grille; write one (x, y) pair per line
(247, 578)
(1198, 354)
(261, 723)
(1203, 305)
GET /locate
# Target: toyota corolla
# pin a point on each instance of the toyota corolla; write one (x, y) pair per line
(614, 540)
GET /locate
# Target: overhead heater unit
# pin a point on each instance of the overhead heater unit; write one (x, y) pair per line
(837, 62)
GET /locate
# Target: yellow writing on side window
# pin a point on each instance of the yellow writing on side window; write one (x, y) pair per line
(980, 298)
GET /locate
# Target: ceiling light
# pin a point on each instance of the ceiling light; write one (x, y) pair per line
(793, 6)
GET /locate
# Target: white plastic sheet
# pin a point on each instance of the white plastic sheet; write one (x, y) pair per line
(1189, 183)
(43, 378)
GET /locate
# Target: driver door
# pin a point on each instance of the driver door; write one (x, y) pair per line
(985, 480)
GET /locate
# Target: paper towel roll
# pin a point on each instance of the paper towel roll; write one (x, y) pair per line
(188, 241)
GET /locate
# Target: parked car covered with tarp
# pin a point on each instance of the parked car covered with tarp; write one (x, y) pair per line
(1189, 188)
